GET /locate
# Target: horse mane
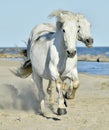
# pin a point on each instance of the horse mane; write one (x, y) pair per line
(42, 29)
(49, 28)
(62, 15)
(80, 16)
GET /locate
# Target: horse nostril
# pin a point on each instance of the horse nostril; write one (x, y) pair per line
(71, 54)
(68, 52)
(90, 40)
(87, 40)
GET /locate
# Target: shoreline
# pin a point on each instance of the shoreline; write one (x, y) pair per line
(93, 58)
(88, 57)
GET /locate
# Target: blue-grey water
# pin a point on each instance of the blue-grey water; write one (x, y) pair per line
(93, 51)
(101, 68)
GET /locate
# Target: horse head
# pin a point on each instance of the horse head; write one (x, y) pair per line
(84, 30)
(66, 30)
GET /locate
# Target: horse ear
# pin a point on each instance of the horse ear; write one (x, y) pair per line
(59, 25)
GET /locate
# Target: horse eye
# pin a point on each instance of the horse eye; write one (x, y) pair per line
(63, 30)
(78, 31)
(78, 26)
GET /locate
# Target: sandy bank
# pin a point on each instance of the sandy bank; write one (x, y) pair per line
(19, 105)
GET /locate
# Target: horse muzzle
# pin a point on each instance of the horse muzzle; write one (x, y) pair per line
(71, 54)
(89, 42)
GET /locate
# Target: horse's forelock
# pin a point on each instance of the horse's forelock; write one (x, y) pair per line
(81, 19)
(79, 16)
(62, 15)
(59, 24)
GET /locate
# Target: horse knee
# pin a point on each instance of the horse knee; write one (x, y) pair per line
(71, 93)
(51, 91)
(65, 87)
(76, 84)
(51, 87)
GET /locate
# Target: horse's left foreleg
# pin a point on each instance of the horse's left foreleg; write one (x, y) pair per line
(61, 101)
(51, 91)
(74, 85)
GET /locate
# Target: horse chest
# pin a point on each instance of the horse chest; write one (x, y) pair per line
(61, 65)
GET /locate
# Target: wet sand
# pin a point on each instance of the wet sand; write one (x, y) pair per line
(19, 104)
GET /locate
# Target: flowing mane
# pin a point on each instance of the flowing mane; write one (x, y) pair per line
(62, 15)
(41, 29)
(80, 16)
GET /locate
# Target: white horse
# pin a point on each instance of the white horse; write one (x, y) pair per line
(70, 72)
(83, 35)
(48, 55)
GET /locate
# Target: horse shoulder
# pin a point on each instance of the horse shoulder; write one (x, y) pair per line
(54, 56)
(54, 59)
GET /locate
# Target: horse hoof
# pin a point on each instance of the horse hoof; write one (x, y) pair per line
(61, 111)
(68, 95)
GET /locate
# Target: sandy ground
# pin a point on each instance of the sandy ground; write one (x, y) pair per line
(19, 105)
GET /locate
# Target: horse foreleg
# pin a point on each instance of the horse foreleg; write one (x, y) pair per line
(51, 91)
(74, 84)
(61, 101)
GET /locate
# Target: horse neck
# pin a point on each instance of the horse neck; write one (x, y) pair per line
(59, 43)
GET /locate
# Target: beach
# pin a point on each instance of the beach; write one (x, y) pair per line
(19, 105)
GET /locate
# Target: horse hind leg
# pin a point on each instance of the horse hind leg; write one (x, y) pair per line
(38, 80)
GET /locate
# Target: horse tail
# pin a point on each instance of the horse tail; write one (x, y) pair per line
(24, 52)
(25, 70)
